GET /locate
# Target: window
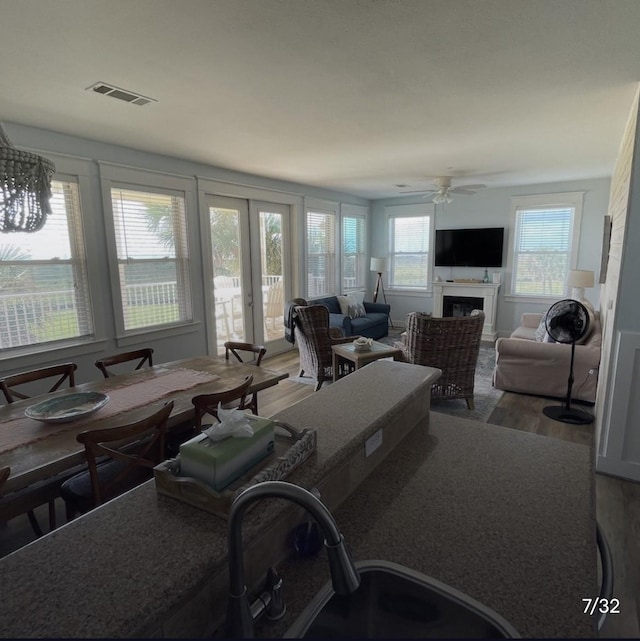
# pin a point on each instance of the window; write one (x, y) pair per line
(544, 243)
(354, 247)
(321, 253)
(44, 295)
(152, 257)
(409, 242)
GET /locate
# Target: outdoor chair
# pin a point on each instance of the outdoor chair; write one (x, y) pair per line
(141, 356)
(62, 372)
(125, 467)
(450, 344)
(314, 338)
(274, 310)
(257, 353)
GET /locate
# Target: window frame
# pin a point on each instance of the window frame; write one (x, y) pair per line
(81, 234)
(359, 213)
(573, 200)
(122, 177)
(418, 210)
(316, 206)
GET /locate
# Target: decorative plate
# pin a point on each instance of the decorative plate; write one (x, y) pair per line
(69, 407)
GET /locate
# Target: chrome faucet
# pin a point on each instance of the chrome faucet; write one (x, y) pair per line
(344, 576)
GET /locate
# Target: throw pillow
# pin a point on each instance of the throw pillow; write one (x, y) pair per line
(541, 332)
(344, 305)
(355, 304)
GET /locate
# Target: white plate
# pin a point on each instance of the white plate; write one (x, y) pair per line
(69, 407)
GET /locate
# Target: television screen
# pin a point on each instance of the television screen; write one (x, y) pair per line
(469, 247)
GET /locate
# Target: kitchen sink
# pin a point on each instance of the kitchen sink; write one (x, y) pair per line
(394, 601)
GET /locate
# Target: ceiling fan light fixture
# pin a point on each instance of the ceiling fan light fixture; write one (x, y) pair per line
(25, 188)
(442, 197)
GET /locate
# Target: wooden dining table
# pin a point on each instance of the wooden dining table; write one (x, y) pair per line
(36, 450)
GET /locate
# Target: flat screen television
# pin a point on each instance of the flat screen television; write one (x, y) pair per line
(469, 247)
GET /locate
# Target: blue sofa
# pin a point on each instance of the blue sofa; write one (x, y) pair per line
(374, 325)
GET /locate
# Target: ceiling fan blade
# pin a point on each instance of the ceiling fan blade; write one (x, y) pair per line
(419, 191)
(462, 190)
(479, 186)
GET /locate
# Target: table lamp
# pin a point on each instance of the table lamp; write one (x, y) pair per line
(578, 279)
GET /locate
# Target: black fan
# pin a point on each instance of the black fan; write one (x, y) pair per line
(567, 322)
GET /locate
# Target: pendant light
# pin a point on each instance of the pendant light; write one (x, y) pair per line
(25, 188)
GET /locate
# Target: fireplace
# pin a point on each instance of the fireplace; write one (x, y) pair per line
(460, 305)
(459, 298)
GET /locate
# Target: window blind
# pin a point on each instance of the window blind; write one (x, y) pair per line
(153, 262)
(353, 252)
(409, 251)
(321, 253)
(44, 295)
(542, 250)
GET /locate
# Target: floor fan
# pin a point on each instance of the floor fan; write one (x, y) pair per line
(567, 322)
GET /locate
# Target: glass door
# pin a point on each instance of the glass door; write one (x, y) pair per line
(249, 263)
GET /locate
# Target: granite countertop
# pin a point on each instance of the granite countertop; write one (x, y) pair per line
(504, 516)
(116, 571)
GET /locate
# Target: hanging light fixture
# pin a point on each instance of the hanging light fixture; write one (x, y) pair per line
(25, 188)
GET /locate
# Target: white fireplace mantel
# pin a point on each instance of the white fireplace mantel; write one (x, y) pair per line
(487, 291)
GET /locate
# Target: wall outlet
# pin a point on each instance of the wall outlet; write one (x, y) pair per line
(373, 443)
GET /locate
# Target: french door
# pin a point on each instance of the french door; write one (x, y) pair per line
(250, 268)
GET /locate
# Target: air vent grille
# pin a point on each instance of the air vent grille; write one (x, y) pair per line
(121, 94)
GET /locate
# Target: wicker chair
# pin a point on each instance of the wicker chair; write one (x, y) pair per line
(452, 345)
(314, 339)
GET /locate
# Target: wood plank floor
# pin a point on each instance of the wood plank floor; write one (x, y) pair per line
(617, 501)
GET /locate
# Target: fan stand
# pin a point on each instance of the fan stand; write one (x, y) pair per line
(565, 413)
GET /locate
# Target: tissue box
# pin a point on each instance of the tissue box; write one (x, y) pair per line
(219, 464)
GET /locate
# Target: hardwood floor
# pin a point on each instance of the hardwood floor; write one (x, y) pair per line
(617, 501)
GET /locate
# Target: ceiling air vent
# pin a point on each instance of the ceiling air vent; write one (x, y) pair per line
(121, 94)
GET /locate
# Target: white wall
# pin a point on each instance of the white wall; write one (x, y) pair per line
(492, 208)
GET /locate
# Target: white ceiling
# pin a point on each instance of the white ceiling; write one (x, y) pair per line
(353, 95)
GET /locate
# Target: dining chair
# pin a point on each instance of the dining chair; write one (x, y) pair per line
(114, 468)
(450, 344)
(208, 403)
(142, 356)
(62, 372)
(25, 500)
(256, 352)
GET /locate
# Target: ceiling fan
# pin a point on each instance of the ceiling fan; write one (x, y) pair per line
(442, 192)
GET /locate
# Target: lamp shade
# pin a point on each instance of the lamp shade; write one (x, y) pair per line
(379, 265)
(580, 278)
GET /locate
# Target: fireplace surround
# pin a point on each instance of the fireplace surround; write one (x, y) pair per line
(465, 295)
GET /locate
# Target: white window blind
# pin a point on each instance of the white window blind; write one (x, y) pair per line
(409, 251)
(321, 253)
(353, 252)
(542, 250)
(153, 261)
(44, 295)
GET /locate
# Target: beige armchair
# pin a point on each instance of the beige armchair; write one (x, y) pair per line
(450, 344)
(528, 366)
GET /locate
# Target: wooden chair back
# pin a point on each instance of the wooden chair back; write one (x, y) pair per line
(146, 452)
(4, 475)
(208, 403)
(142, 356)
(62, 372)
(256, 352)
